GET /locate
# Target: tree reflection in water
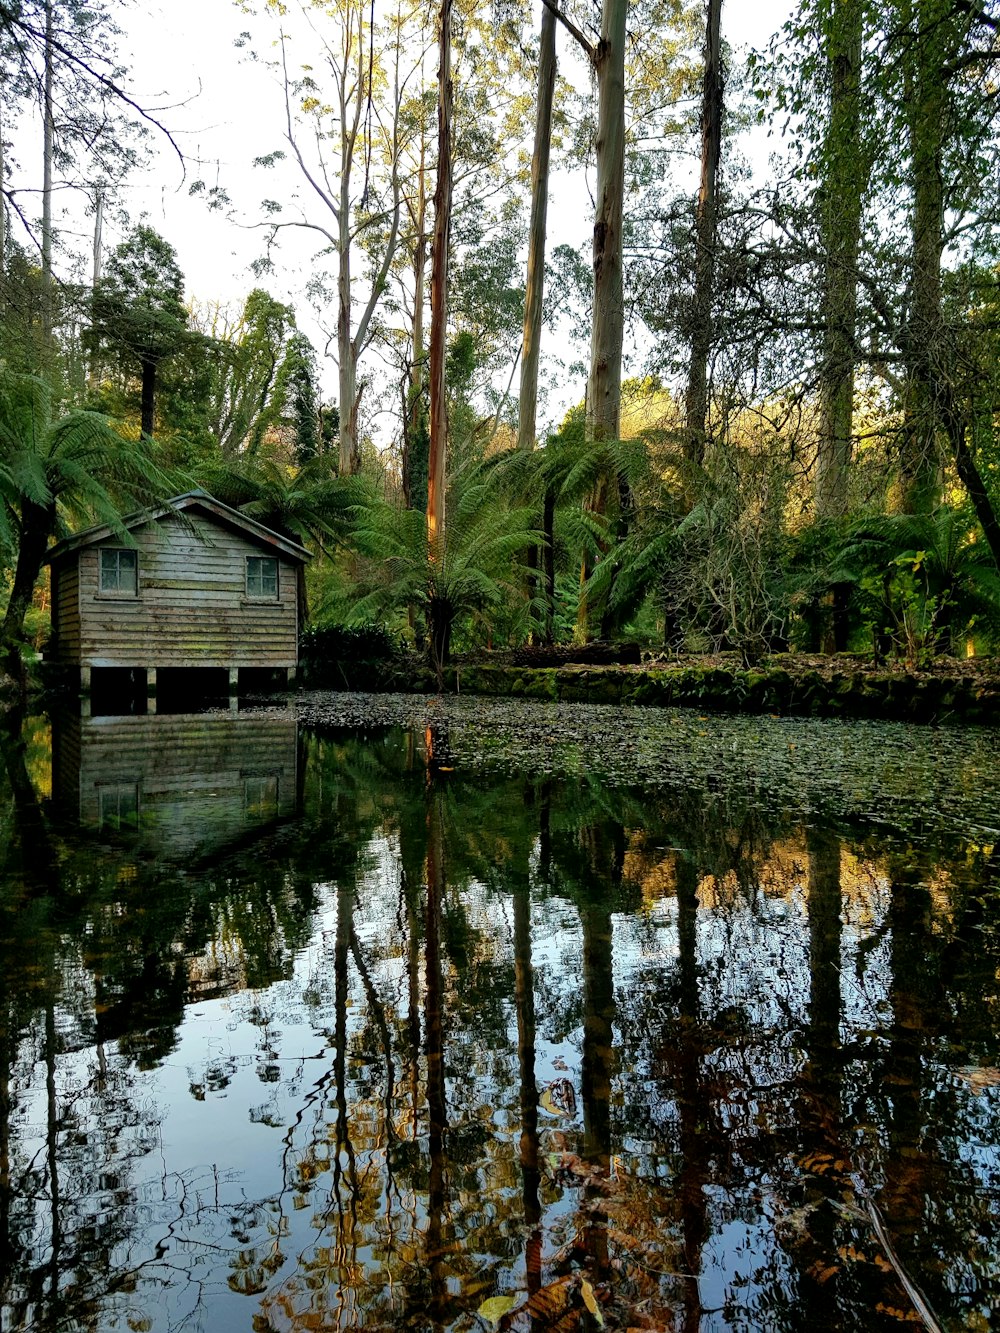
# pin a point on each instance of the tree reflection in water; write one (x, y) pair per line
(435, 1050)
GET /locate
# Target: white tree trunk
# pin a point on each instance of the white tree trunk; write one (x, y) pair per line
(534, 291)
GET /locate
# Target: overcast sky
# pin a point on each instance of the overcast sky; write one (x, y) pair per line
(225, 111)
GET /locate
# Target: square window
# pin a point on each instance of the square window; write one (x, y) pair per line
(118, 806)
(119, 572)
(260, 797)
(262, 577)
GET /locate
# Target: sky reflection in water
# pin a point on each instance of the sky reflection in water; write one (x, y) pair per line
(348, 1029)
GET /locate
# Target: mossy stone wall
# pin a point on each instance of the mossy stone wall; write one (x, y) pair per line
(894, 695)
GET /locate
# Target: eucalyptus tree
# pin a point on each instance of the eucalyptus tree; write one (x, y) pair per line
(706, 234)
(246, 354)
(846, 159)
(344, 130)
(605, 52)
(945, 60)
(535, 283)
(61, 60)
(437, 457)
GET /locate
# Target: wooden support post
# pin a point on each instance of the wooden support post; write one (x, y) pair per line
(151, 689)
(85, 680)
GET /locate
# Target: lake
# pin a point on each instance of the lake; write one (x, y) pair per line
(450, 1015)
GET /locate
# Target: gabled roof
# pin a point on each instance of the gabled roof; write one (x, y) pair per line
(203, 503)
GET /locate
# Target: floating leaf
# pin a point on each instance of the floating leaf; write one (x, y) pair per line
(590, 1301)
(547, 1103)
(494, 1309)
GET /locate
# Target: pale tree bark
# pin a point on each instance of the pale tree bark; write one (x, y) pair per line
(98, 235)
(93, 370)
(840, 221)
(48, 152)
(605, 383)
(705, 233)
(528, 403)
(437, 460)
(413, 405)
(350, 63)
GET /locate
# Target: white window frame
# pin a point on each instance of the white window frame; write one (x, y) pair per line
(260, 595)
(117, 590)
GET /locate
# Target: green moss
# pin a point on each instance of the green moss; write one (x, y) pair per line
(849, 694)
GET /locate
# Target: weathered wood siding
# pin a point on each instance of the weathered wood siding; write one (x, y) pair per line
(192, 609)
(196, 785)
(66, 606)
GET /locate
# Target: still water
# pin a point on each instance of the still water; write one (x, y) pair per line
(499, 1017)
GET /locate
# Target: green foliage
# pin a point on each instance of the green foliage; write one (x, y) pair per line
(307, 503)
(138, 307)
(246, 394)
(468, 577)
(925, 582)
(365, 656)
(59, 472)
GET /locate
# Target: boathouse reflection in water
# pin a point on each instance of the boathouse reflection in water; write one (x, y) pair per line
(185, 788)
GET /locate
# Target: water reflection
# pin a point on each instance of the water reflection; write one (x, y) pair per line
(187, 787)
(389, 1045)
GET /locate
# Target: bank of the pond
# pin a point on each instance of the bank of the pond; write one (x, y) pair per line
(970, 695)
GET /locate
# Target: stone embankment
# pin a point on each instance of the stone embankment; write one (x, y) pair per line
(964, 696)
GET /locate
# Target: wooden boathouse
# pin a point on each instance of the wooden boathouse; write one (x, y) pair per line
(196, 586)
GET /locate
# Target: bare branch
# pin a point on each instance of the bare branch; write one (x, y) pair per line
(573, 30)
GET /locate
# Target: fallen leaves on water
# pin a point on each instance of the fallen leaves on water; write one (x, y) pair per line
(559, 1098)
(552, 1307)
(590, 1301)
(494, 1309)
(894, 1312)
(979, 1078)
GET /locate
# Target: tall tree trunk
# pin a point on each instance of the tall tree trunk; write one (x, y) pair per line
(414, 465)
(605, 383)
(549, 561)
(840, 221)
(98, 236)
(48, 151)
(705, 231)
(845, 178)
(534, 292)
(438, 456)
(148, 402)
(93, 369)
(350, 453)
(524, 992)
(37, 522)
(604, 386)
(414, 461)
(927, 109)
